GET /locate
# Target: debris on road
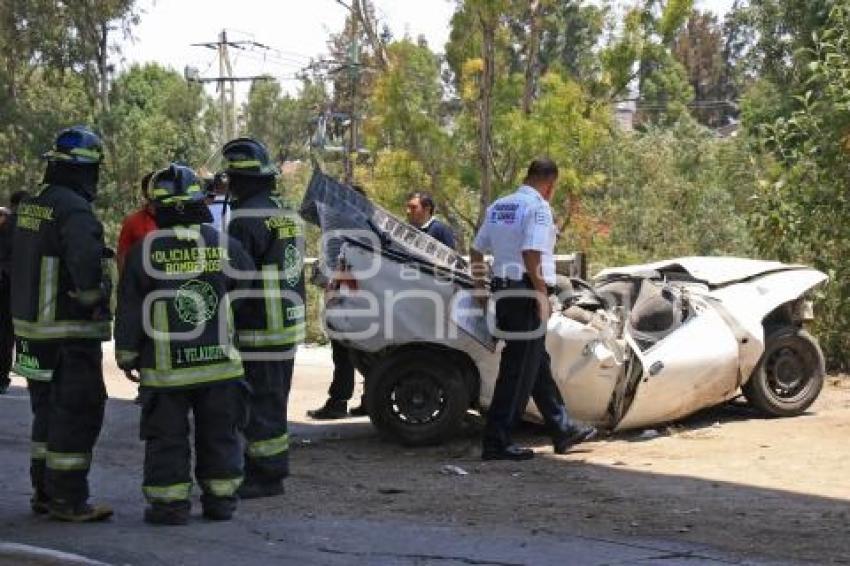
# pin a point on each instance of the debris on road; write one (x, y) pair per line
(451, 470)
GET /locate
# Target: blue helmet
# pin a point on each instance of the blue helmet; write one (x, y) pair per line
(247, 156)
(175, 185)
(76, 145)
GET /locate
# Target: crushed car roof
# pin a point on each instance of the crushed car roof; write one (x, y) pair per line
(712, 270)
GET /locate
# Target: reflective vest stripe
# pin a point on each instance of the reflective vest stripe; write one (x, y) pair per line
(53, 330)
(38, 451)
(48, 291)
(161, 344)
(222, 488)
(68, 461)
(32, 373)
(191, 376)
(242, 164)
(273, 337)
(274, 300)
(270, 447)
(125, 356)
(167, 493)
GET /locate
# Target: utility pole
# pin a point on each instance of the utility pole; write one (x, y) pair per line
(227, 100)
(225, 80)
(354, 75)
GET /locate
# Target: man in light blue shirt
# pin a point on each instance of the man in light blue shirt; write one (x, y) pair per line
(520, 232)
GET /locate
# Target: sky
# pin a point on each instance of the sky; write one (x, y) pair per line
(296, 29)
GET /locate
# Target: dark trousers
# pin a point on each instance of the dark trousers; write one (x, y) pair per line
(7, 331)
(267, 453)
(67, 418)
(219, 412)
(342, 385)
(524, 371)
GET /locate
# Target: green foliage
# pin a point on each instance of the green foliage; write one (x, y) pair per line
(153, 119)
(802, 208)
(672, 188)
(281, 121)
(31, 122)
(672, 192)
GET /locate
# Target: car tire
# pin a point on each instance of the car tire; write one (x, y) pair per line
(417, 397)
(789, 377)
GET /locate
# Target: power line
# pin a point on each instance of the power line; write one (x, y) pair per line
(225, 81)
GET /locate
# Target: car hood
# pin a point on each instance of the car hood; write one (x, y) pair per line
(714, 271)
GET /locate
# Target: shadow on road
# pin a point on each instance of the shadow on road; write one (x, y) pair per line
(355, 497)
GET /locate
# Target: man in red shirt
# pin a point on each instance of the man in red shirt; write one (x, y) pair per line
(136, 225)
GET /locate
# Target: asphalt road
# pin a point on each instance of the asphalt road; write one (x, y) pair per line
(261, 536)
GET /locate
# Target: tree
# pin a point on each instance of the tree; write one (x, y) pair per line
(53, 69)
(802, 208)
(699, 47)
(283, 122)
(642, 53)
(406, 119)
(773, 43)
(572, 32)
(154, 118)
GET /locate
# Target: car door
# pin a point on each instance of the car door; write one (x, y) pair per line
(694, 367)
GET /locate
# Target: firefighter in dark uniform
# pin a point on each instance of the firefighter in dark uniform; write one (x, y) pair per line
(520, 232)
(60, 307)
(174, 334)
(271, 233)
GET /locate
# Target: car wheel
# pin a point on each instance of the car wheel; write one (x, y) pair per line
(417, 397)
(789, 376)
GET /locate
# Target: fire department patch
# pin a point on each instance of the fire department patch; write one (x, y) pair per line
(292, 264)
(196, 302)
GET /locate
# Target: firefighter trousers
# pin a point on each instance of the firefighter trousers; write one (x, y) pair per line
(67, 418)
(267, 452)
(219, 412)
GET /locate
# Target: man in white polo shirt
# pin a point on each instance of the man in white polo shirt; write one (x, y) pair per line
(520, 232)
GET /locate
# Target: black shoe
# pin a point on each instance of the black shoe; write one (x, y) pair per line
(257, 490)
(512, 452)
(359, 411)
(4, 386)
(577, 434)
(218, 508)
(167, 515)
(218, 513)
(78, 513)
(331, 410)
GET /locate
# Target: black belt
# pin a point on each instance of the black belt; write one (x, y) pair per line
(503, 284)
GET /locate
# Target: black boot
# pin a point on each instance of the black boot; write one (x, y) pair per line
(78, 512)
(39, 503)
(218, 508)
(176, 513)
(331, 410)
(258, 489)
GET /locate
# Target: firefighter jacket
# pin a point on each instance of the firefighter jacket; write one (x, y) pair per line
(176, 302)
(60, 287)
(272, 235)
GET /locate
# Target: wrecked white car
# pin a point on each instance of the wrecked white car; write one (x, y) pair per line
(638, 346)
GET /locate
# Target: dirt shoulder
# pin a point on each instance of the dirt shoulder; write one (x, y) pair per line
(777, 489)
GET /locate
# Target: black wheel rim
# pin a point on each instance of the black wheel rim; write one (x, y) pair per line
(417, 399)
(789, 373)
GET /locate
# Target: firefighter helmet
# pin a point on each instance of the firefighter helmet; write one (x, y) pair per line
(76, 145)
(176, 184)
(247, 156)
